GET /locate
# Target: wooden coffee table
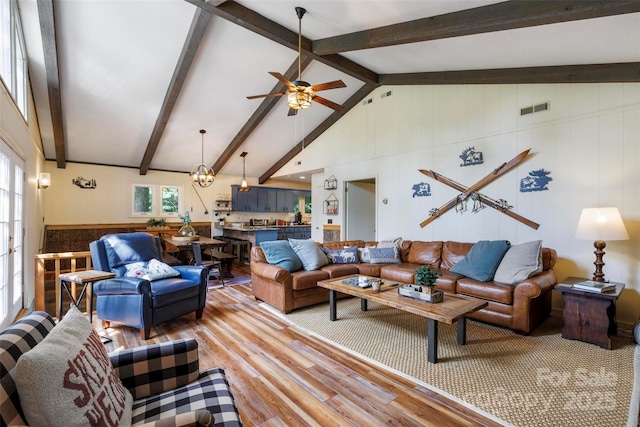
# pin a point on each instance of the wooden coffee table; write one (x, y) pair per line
(454, 308)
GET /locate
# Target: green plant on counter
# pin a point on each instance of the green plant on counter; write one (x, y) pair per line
(157, 222)
(426, 276)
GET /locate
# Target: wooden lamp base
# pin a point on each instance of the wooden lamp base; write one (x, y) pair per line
(598, 275)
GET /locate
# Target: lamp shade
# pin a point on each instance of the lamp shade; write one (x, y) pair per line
(601, 224)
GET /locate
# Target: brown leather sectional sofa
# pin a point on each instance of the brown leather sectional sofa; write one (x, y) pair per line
(519, 307)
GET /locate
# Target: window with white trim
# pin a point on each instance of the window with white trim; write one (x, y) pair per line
(156, 200)
(13, 55)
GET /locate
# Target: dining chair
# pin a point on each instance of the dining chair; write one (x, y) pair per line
(214, 265)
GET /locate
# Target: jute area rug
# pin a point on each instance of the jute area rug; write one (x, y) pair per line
(536, 380)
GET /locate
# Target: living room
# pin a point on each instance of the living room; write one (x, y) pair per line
(586, 141)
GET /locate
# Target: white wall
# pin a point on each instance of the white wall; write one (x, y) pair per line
(24, 140)
(589, 140)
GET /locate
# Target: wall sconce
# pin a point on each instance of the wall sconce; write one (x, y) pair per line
(44, 180)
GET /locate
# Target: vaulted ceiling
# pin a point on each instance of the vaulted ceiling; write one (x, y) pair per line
(131, 82)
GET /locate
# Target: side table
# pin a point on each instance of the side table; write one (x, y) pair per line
(589, 316)
(84, 278)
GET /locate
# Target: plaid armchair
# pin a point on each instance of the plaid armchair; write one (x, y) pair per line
(164, 379)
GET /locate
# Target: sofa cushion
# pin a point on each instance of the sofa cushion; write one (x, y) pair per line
(453, 253)
(342, 256)
(339, 270)
(304, 279)
(372, 270)
(425, 253)
(520, 262)
(482, 260)
(384, 255)
(68, 379)
(491, 291)
(280, 253)
(404, 272)
(309, 253)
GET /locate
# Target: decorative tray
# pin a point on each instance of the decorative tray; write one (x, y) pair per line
(359, 282)
(415, 292)
(186, 238)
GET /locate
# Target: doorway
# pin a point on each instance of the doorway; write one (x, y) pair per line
(11, 235)
(360, 210)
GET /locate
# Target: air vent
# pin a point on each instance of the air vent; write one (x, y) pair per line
(385, 94)
(367, 101)
(534, 109)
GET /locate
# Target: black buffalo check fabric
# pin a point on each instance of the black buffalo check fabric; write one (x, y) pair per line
(163, 378)
(16, 340)
(210, 392)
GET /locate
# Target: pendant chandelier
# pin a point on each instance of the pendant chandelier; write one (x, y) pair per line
(201, 174)
(243, 186)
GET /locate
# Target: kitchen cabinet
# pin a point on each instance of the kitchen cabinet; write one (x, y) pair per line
(298, 232)
(267, 200)
(285, 200)
(244, 201)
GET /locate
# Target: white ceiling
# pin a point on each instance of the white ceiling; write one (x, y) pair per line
(116, 60)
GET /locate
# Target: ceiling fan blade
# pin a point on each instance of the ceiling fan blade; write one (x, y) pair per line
(329, 85)
(282, 78)
(327, 103)
(292, 112)
(268, 94)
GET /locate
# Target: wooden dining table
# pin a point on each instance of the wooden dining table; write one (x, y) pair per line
(206, 243)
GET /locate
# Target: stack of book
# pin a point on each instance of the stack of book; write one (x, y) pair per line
(593, 286)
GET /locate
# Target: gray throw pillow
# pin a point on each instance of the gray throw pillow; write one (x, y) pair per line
(482, 260)
(342, 256)
(384, 255)
(520, 262)
(309, 253)
(280, 253)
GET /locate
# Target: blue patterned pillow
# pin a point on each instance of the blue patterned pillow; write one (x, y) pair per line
(342, 256)
(384, 255)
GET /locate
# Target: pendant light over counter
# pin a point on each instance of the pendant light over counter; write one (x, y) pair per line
(243, 186)
(201, 174)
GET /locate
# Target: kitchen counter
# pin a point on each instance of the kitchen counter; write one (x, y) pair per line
(257, 235)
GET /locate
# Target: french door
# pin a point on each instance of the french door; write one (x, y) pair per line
(11, 234)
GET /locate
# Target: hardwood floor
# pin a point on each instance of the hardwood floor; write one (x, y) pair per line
(280, 376)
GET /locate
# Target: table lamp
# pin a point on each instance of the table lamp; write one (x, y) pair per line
(600, 224)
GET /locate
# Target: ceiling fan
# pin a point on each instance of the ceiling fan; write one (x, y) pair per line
(300, 93)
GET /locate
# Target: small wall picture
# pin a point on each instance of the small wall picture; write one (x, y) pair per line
(421, 189)
(536, 181)
(471, 156)
(84, 183)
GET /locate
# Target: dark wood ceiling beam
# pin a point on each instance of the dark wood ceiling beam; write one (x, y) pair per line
(194, 38)
(261, 112)
(314, 134)
(496, 17)
(592, 73)
(49, 45)
(247, 18)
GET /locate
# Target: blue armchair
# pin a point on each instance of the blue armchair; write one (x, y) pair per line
(137, 302)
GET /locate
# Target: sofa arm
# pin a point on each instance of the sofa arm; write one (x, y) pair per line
(270, 272)
(156, 368)
(122, 286)
(535, 286)
(195, 273)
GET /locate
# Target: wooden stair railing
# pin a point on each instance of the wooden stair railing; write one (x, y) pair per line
(42, 274)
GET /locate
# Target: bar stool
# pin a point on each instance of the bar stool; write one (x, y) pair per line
(241, 249)
(214, 266)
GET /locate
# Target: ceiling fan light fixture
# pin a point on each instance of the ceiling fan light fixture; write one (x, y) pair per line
(299, 100)
(201, 174)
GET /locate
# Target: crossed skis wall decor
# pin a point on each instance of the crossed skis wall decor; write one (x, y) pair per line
(472, 193)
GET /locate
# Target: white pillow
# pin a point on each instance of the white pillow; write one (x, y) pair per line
(519, 263)
(153, 270)
(391, 243)
(68, 379)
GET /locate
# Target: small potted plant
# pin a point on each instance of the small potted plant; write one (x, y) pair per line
(156, 223)
(426, 278)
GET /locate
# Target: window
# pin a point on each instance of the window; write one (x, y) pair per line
(154, 200)
(13, 57)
